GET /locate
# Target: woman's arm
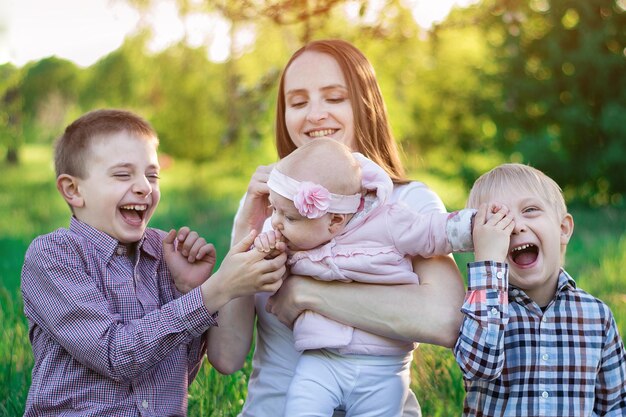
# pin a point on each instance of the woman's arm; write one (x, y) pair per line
(428, 313)
(230, 342)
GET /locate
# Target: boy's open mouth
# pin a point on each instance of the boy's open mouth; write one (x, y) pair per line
(134, 212)
(524, 254)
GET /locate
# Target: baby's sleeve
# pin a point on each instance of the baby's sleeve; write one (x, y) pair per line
(432, 233)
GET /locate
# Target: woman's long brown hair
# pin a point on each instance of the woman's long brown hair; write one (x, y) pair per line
(373, 137)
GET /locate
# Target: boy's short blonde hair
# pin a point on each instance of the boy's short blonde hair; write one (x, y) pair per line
(512, 177)
(71, 149)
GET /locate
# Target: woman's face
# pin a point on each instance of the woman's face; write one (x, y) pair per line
(317, 103)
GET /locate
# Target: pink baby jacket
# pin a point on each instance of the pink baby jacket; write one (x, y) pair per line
(375, 247)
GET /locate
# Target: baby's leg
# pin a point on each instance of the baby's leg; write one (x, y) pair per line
(382, 388)
(315, 390)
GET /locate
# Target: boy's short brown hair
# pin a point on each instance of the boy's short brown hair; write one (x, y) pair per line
(515, 177)
(70, 151)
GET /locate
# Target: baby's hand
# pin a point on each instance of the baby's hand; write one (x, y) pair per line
(189, 258)
(493, 225)
(271, 243)
(245, 272)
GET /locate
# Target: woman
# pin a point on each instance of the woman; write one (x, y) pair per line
(329, 89)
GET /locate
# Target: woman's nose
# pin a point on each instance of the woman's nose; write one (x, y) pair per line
(317, 113)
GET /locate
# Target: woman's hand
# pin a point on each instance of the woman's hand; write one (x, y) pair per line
(246, 272)
(255, 207)
(288, 302)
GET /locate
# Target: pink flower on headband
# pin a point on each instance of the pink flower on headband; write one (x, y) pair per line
(311, 200)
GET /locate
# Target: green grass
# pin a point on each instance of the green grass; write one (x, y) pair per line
(205, 197)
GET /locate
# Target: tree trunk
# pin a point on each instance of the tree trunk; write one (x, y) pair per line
(12, 156)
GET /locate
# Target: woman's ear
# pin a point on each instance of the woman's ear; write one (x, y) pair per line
(68, 187)
(567, 228)
(338, 222)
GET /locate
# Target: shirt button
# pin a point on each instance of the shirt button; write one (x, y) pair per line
(494, 311)
(545, 356)
(145, 403)
(544, 319)
(500, 274)
(120, 251)
(545, 394)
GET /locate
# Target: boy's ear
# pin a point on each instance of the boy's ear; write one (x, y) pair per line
(567, 228)
(337, 221)
(68, 187)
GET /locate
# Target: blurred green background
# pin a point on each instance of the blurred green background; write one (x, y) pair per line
(540, 82)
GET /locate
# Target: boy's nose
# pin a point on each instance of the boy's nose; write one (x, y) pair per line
(142, 186)
(518, 228)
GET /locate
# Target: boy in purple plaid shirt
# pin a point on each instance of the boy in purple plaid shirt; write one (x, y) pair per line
(532, 343)
(118, 312)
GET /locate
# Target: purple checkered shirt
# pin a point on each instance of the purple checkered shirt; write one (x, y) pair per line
(111, 336)
(518, 360)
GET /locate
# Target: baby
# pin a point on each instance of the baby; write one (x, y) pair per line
(331, 215)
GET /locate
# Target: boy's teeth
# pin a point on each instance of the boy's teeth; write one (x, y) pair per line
(526, 246)
(320, 133)
(136, 207)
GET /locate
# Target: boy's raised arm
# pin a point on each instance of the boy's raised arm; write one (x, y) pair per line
(479, 350)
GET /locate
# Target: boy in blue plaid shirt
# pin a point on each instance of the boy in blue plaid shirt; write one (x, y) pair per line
(532, 343)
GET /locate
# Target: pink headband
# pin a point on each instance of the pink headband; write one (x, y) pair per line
(312, 200)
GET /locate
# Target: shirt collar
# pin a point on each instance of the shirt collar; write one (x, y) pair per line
(149, 242)
(565, 283)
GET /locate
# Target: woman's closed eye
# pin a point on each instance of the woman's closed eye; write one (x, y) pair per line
(298, 104)
(297, 100)
(336, 100)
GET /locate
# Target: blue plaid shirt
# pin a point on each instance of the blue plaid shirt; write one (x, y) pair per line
(518, 360)
(111, 336)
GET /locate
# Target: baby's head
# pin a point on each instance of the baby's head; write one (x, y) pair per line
(314, 191)
(107, 171)
(542, 229)
(325, 162)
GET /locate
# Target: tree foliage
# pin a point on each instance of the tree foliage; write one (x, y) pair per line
(49, 92)
(539, 81)
(562, 77)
